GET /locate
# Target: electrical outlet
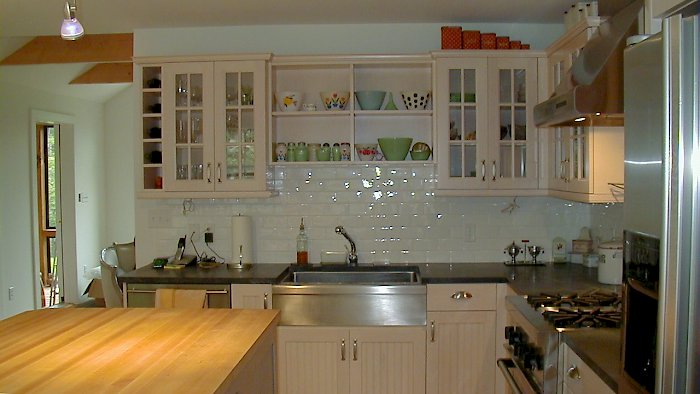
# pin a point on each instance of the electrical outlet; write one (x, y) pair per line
(11, 293)
(208, 237)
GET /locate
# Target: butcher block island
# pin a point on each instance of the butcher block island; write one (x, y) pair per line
(138, 350)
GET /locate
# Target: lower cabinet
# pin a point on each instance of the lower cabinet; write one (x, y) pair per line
(372, 360)
(251, 296)
(461, 342)
(578, 377)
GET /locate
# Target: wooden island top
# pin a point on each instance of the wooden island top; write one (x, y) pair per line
(129, 350)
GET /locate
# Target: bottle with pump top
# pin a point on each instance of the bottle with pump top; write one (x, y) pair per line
(302, 246)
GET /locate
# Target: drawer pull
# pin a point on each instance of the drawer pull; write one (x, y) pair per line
(461, 295)
(573, 373)
(342, 350)
(432, 331)
(354, 350)
(265, 301)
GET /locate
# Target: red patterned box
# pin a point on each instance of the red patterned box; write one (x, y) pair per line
(502, 42)
(515, 45)
(471, 39)
(488, 40)
(451, 37)
(524, 46)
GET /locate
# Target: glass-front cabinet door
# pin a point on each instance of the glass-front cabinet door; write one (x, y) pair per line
(513, 136)
(188, 127)
(571, 152)
(240, 125)
(462, 123)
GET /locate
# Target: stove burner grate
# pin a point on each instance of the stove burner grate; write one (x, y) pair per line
(577, 318)
(587, 299)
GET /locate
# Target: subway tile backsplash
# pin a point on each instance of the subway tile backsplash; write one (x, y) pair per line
(390, 211)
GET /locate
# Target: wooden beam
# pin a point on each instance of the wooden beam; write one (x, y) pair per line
(106, 73)
(91, 48)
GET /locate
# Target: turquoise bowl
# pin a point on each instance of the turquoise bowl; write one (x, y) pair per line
(395, 149)
(370, 99)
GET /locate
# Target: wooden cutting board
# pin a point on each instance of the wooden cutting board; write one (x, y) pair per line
(127, 350)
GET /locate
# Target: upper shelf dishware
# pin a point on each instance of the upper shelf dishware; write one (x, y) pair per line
(288, 101)
(416, 99)
(335, 100)
(370, 99)
(395, 149)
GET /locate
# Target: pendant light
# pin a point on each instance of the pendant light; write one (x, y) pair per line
(71, 29)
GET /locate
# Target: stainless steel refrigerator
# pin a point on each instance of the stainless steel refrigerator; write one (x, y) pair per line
(662, 176)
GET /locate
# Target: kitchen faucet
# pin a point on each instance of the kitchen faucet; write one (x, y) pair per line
(352, 257)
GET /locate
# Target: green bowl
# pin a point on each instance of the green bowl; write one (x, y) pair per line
(395, 149)
(420, 155)
(370, 99)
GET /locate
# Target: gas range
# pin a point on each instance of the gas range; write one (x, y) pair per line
(534, 325)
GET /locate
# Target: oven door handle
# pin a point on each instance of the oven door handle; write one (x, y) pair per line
(638, 286)
(504, 365)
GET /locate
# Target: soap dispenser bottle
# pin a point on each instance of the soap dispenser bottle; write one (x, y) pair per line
(302, 246)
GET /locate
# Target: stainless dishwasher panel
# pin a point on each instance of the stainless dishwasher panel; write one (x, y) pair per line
(350, 305)
(142, 295)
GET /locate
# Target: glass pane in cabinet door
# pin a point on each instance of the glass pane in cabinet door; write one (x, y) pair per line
(182, 163)
(197, 127)
(196, 86)
(456, 124)
(470, 124)
(197, 163)
(181, 90)
(505, 169)
(247, 88)
(583, 144)
(232, 126)
(505, 124)
(520, 129)
(455, 86)
(455, 160)
(520, 161)
(470, 161)
(248, 161)
(248, 125)
(181, 127)
(505, 85)
(575, 150)
(231, 89)
(233, 162)
(558, 152)
(469, 86)
(520, 92)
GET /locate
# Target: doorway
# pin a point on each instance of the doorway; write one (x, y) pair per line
(48, 181)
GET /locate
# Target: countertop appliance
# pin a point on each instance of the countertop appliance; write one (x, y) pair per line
(662, 200)
(532, 335)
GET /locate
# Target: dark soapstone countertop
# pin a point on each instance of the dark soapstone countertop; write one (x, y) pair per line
(193, 274)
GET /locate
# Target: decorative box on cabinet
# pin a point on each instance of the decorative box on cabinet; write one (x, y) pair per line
(486, 140)
(320, 360)
(312, 75)
(211, 112)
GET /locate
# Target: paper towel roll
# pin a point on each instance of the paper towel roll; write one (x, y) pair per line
(242, 235)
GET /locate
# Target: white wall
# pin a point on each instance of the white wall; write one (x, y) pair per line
(324, 39)
(16, 227)
(120, 156)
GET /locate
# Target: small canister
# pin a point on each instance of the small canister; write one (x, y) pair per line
(610, 263)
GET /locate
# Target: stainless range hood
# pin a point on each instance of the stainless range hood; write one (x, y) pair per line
(591, 92)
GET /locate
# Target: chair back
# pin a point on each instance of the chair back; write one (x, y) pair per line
(181, 298)
(126, 255)
(110, 286)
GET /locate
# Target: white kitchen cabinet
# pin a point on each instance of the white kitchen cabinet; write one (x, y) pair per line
(311, 75)
(213, 136)
(251, 296)
(585, 163)
(461, 342)
(578, 377)
(351, 360)
(487, 143)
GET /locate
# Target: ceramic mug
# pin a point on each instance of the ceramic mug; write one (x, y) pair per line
(281, 151)
(345, 151)
(336, 152)
(324, 153)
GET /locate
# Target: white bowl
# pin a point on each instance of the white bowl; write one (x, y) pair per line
(288, 101)
(415, 99)
(335, 100)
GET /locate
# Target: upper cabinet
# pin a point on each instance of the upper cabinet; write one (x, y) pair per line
(314, 102)
(212, 129)
(487, 143)
(585, 163)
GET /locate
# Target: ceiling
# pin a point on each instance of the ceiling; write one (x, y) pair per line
(23, 19)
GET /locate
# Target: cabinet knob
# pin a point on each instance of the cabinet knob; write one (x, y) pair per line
(573, 373)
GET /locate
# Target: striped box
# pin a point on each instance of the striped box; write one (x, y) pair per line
(451, 37)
